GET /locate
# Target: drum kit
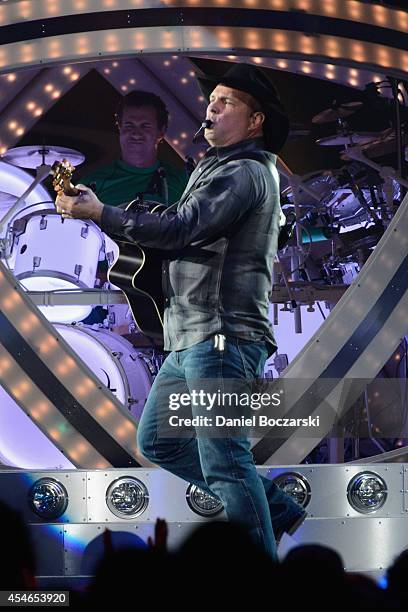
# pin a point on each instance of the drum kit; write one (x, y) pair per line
(44, 252)
(49, 254)
(342, 213)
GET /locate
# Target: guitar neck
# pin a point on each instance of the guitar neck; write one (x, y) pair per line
(70, 190)
(62, 173)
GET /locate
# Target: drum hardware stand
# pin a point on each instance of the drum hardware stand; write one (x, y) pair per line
(344, 130)
(36, 262)
(296, 252)
(288, 289)
(42, 172)
(399, 129)
(154, 363)
(157, 360)
(280, 362)
(387, 173)
(360, 197)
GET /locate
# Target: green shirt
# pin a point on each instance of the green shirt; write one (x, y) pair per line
(119, 182)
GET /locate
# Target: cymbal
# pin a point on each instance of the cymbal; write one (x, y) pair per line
(339, 112)
(32, 156)
(347, 139)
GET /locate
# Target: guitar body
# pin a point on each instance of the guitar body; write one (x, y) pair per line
(138, 272)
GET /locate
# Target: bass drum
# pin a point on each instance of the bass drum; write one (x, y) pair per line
(128, 373)
(22, 444)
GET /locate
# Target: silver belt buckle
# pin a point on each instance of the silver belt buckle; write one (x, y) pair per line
(219, 342)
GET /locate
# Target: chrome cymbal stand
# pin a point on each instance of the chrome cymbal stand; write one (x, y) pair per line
(297, 252)
(387, 173)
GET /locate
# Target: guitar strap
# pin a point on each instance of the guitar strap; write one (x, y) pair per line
(158, 184)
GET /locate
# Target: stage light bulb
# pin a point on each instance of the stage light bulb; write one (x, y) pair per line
(48, 498)
(203, 503)
(367, 492)
(127, 497)
(296, 486)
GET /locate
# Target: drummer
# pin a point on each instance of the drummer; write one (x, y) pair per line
(142, 120)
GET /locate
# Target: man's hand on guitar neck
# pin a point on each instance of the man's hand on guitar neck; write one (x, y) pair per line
(85, 205)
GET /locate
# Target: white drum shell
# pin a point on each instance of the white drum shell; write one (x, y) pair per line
(53, 254)
(127, 372)
(7, 229)
(65, 249)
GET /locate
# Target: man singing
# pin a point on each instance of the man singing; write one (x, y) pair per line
(222, 236)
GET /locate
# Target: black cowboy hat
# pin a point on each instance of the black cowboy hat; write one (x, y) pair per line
(253, 80)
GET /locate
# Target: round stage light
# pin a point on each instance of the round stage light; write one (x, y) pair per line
(48, 498)
(296, 486)
(127, 497)
(367, 492)
(203, 503)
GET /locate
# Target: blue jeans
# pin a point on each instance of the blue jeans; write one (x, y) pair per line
(223, 467)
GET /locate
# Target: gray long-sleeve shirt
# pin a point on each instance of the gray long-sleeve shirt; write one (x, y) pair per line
(222, 238)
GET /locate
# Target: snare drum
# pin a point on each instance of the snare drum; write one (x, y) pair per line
(52, 253)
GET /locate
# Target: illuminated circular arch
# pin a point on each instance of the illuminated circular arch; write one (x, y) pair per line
(346, 32)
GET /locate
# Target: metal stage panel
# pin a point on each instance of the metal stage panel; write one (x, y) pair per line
(15, 488)
(70, 546)
(328, 484)
(48, 541)
(366, 544)
(83, 544)
(167, 496)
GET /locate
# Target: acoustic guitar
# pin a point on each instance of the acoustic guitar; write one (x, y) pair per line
(137, 270)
